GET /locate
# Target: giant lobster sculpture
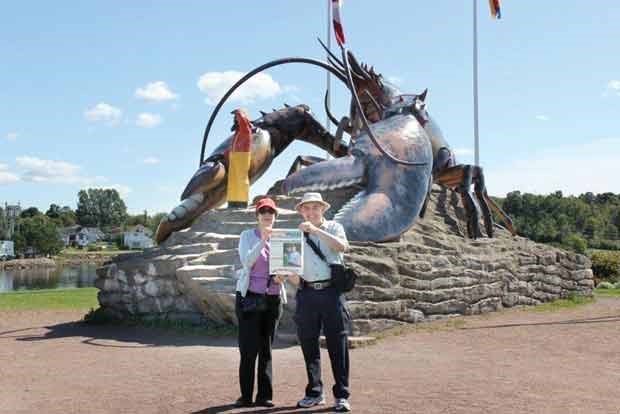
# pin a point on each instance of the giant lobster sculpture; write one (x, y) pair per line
(395, 153)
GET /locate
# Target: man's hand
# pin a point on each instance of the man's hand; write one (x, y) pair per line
(308, 227)
(294, 278)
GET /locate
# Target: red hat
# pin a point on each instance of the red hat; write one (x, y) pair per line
(266, 202)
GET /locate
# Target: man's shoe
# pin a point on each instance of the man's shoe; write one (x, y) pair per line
(308, 402)
(242, 402)
(342, 405)
(264, 403)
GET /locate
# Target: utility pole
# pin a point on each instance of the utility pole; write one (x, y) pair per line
(476, 138)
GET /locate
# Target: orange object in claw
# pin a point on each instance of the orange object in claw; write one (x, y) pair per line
(239, 162)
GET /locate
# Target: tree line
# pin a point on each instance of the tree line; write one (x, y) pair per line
(587, 221)
(102, 208)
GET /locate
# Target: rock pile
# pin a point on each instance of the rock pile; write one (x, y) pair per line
(434, 271)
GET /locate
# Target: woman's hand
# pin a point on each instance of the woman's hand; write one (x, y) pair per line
(265, 233)
(279, 279)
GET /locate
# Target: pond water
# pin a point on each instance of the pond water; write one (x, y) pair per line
(48, 278)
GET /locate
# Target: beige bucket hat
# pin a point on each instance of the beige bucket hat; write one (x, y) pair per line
(312, 198)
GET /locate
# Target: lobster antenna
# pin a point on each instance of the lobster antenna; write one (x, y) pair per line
(253, 72)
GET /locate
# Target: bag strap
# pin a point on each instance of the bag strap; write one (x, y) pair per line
(315, 247)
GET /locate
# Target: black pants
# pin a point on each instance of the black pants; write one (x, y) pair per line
(256, 333)
(324, 308)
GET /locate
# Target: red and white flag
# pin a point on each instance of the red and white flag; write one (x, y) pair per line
(337, 22)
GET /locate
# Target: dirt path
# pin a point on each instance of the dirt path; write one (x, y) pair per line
(509, 362)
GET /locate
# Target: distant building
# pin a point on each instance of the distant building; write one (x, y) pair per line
(79, 236)
(11, 214)
(138, 238)
(7, 250)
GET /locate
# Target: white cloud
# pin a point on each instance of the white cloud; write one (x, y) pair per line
(464, 152)
(614, 85)
(157, 91)
(573, 169)
(395, 80)
(11, 136)
(215, 85)
(103, 112)
(123, 190)
(151, 160)
(148, 120)
(542, 117)
(7, 177)
(38, 170)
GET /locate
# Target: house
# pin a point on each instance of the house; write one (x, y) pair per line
(81, 236)
(138, 238)
(68, 234)
(7, 251)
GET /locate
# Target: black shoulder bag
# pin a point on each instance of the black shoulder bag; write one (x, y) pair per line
(343, 278)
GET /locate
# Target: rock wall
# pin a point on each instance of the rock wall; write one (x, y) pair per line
(434, 271)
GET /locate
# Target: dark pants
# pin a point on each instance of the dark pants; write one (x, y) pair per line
(324, 308)
(256, 333)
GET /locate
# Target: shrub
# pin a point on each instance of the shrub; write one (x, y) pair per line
(605, 285)
(606, 266)
(576, 243)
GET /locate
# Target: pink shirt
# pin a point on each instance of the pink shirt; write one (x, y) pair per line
(259, 275)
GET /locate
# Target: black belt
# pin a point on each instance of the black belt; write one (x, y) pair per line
(318, 285)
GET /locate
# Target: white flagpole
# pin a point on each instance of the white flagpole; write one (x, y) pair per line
(328, 79)
(476, 138)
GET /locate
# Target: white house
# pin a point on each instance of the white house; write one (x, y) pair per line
(7, 251)
(81, 236)
(138, 238)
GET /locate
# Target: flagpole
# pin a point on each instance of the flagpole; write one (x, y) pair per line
(476, 138)
(328, 79)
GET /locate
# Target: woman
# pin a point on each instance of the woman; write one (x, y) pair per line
(258, 306)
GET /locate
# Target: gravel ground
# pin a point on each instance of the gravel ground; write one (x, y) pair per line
(515, 361)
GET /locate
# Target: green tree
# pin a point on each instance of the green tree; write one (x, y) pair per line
(30, 212)
(154, 221)
(38, 232)
(100, 207)
(4, 225)
(53, 212)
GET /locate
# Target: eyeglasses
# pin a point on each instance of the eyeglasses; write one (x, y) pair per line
(266, 210)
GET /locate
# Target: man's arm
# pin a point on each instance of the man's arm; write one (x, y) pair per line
(338, 241)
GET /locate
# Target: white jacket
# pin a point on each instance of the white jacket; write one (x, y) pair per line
(250, 247)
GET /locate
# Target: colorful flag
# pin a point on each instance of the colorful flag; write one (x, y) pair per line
(495, 11)
(337, 22)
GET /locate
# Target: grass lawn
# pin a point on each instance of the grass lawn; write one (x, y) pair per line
(82, 298)
(561, 304)
(607, 292)
(73, 252)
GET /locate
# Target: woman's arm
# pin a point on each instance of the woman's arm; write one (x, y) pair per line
(249, 249)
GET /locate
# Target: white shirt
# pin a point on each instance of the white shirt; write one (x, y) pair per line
(315, 268)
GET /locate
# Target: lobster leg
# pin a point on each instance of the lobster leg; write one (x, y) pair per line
(460, 178)
(303, 161)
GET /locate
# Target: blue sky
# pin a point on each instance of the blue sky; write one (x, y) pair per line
(117, 94)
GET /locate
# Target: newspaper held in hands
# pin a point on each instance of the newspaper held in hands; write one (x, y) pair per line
(286, 252)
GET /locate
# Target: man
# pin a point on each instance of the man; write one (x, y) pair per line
(319, 304)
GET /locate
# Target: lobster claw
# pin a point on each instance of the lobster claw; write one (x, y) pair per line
(208, 186)
(209, 175)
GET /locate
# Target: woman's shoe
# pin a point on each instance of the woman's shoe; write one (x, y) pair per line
(242, 402)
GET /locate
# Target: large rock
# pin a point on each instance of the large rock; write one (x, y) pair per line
(434, 271)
